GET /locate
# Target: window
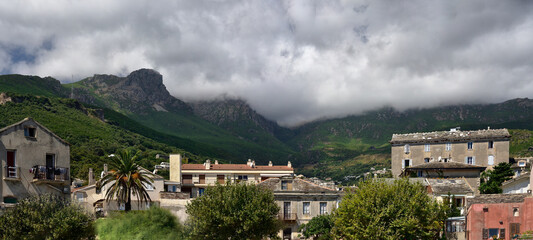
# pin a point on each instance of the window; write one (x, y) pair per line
(323, 206)
(283, 185)
(201, 191)
(406, 148)
(491, 144)
(470, 160)
(80, 197)
(242, 177)
(426, 148)
(426, 160)
(470, 145)
(29, 132)
(515, 229)
(11, 166)
(306, 206)
(490, 161)
(406, 163)
(521, 164)
(516, 213)
(494, 232)
(448, 146)
(220, 179)
(148, 186)
(419, 174)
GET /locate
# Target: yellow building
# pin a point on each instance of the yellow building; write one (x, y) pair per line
(194, 178)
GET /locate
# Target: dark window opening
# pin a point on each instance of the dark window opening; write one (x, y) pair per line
(491, 144)
(29, 132)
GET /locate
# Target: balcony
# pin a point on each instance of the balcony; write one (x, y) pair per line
(44, 174)
(288, 216)
(11, 173)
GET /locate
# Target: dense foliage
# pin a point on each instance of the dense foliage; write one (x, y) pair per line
(126, 178)
(491, 180)
(91, 139)
(379, 209)
(318, 228)
(155, 223)
(233, 211)
(46, 217)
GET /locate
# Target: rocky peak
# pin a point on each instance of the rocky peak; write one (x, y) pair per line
(140, 91)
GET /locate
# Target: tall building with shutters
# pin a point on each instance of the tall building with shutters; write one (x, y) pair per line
(484, 148)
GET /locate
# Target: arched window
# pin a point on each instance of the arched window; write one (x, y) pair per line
(406, 148)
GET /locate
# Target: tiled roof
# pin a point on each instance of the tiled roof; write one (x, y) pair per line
(444, 165)
(452, 186)
(497, 198)
(235, 167)
(450, 136)
(522, 177)
(298, 185)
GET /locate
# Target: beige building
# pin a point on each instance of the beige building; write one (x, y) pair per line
(34, 161)
(300, 200)
(484, 148)
(162, 193)
(194, 178)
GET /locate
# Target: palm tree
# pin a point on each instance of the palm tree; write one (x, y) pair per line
(126, 178)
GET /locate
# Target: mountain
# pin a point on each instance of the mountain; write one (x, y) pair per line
(91, 137)
(231, 131)
(235, 134)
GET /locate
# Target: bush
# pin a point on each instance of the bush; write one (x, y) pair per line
(46, 217)
(155, 223)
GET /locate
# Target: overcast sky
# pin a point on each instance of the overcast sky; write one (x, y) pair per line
(293, 61)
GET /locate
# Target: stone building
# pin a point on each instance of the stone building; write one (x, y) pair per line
(484, 148)
(34, 161)
(300, 200)
(501, 215)
(194, 178)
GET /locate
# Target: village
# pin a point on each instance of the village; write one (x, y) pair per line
(449, 164)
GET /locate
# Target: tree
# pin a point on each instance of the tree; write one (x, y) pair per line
(155, 223)
(491, 180)
(46, 217)
(233, 211)
(318, 228)
(389, 210)
(126, 178)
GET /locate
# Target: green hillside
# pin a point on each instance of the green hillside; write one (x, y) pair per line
(91, 139)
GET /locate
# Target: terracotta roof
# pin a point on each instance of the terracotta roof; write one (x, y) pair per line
(450, 136)
(235, 167)
(298, 185)
(444, 165)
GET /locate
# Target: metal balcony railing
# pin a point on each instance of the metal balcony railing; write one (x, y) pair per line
(50, 173)
(11, 172)
(288, 216)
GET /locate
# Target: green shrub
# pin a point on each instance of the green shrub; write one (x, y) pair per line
(46, 217)
(155, 223)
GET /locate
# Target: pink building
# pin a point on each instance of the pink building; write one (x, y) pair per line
(501, 215)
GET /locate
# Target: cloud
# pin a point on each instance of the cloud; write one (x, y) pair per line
(293, 61)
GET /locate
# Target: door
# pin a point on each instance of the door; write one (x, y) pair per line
(50, 166)
(11, 165)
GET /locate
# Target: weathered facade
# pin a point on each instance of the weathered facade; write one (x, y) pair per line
(300, 200)
(484, 148)
(34, 161)
(500, 215)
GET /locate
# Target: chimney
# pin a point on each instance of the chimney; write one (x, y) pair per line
(249, 163)
(207, 164)
(175, 167)
(289, 164)
(91, 177)
(104, 172)
(253, 164)
(216, 162)
(270, 163)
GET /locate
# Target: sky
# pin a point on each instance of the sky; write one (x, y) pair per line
(292, 61)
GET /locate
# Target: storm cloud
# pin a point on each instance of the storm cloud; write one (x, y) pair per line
(293, 61)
